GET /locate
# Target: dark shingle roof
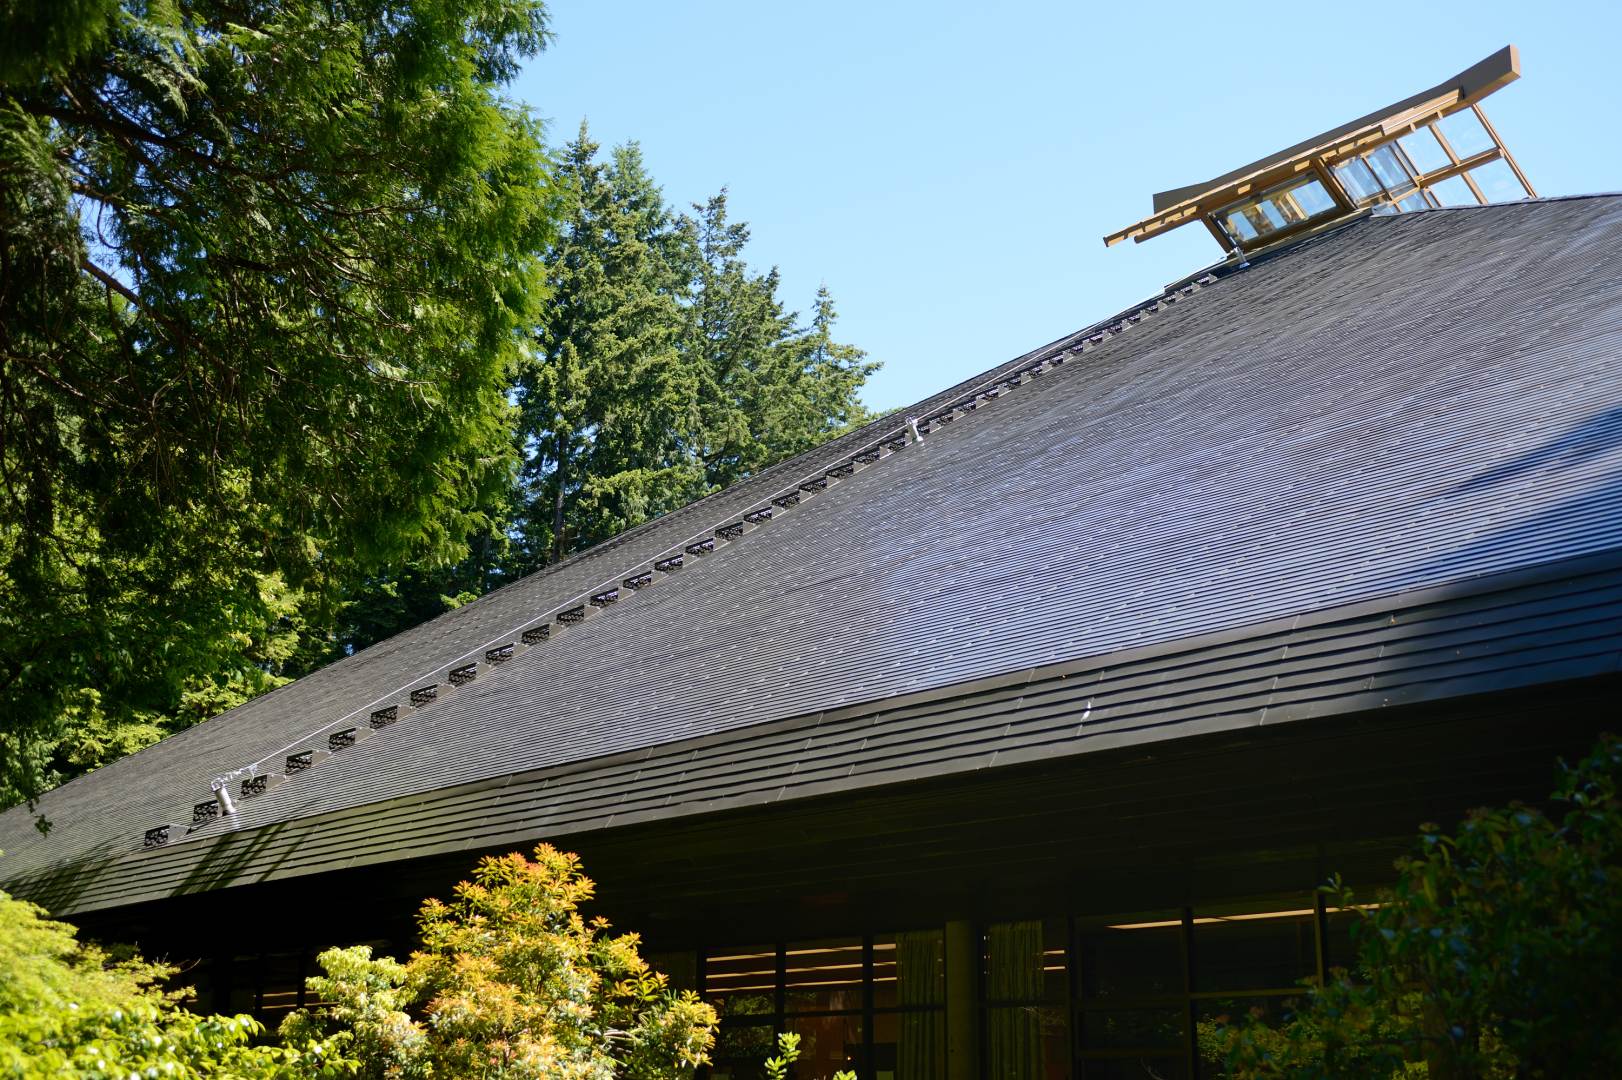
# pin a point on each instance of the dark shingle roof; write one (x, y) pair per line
(1405, 403)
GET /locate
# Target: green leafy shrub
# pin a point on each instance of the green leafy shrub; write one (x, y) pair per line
(68, 1010)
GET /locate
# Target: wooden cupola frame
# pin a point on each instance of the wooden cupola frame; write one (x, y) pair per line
(1393, 160)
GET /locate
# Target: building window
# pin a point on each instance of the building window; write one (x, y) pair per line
(1152, 986)
(1359, 180)
(1026, 986)
(824, 1002)
(1281, 208)
(909, 1002)
(1132, 995)
(873, 1005)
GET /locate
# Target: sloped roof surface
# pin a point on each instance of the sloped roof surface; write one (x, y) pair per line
(1405, 402)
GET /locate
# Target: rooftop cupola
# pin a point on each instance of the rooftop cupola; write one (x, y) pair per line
(1436, 148)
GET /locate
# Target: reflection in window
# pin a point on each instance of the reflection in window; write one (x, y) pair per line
(1339, 949)
(244, 993)
(1453, 192)
(1280, 208)
(1465, 133)
(1132, 1013)
(876, 1007)
(1027, 1036)
(1498, 182)
(281, 986)
(909, 1046)
(823, 976)
(1132, 957)
(1133, 1029)
(1358, 179)
(742, 981)
(680, 968)
(827, 1043)
(1390, 169)
(1212, 1015)
(1254, 947)
(740, 1052)
(1135, 1068)
(1424, 151)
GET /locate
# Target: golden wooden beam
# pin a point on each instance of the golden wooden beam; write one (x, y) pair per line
(1181, 205)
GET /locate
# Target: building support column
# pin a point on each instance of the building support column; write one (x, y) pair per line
(962, 1002)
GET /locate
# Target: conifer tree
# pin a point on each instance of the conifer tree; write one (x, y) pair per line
(265, 270)
(664, 367)
(771, 388)
(606, 387)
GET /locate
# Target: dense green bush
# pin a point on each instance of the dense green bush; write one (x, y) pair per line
(68, 1010)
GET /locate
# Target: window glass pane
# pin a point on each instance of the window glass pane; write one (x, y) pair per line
(1025, 961)
(1279, 208)
(1270, 211)
(909, 970)
(822, 976)
(681, 968)
(1135, 1067)
(1027, 1043)
(740, 1051)
(281, 979)
(1253, 947)
(1131, 956)
(827, 1044)
(196, 978)
(1497, 181)
(909, 1045)
(244, 985)
(1389, 168)
(1416, 201)
(1312, 198)
(1465, 134)
(1211, 1016)
(1132, 1029)
(1424, 151)
(1358, 179)
(1239, 225)
(1453, 192)
(1338, 946)
(742, 981)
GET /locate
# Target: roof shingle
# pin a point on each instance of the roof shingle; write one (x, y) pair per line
(1404, 403)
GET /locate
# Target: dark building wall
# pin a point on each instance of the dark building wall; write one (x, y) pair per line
(1189, 833)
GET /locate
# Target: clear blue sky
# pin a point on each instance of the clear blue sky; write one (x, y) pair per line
(948, 169)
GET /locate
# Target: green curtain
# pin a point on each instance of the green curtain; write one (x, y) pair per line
(1014, 974)
(920, 1052)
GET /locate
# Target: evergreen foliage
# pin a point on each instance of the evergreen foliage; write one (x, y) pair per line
(1495, 955)
(302, 342)
(666, 368)
(267, 269)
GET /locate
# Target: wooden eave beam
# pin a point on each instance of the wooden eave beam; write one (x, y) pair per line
(1472, 86)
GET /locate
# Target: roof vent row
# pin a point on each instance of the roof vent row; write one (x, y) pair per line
(254, 783)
